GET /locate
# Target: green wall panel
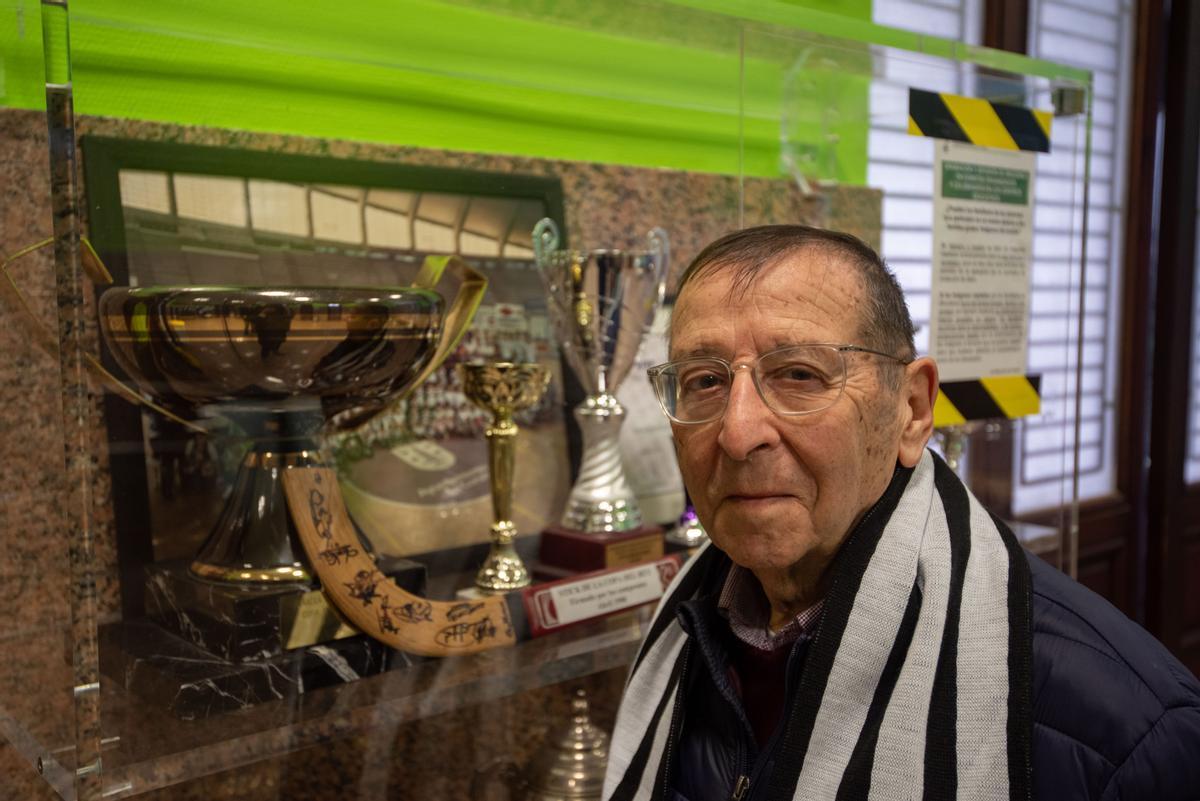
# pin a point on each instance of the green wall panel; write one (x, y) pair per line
(605, 80)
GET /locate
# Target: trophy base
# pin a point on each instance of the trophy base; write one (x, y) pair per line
(564, 552)
(252, 623)
(671, 546)
(685, 536)
(191, 684)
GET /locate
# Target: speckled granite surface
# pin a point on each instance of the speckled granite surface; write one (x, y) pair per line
(439, 756)
(426, 756)
(34, 574)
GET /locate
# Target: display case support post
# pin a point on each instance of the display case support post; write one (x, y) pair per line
(64, 199)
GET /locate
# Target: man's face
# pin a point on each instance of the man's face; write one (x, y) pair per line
(773, 490)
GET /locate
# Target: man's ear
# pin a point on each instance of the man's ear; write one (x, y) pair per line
(917, 394)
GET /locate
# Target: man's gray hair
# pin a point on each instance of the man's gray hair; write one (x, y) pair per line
(885, 325)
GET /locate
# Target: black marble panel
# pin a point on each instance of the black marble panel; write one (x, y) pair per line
(191, 683)
(253, 623)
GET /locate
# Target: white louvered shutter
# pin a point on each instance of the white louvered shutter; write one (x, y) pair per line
(1095, 35)
(902, 165)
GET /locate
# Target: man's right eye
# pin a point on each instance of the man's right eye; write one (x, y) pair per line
(701, 382)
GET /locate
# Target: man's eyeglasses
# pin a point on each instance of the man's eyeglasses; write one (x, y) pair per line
(798, 379)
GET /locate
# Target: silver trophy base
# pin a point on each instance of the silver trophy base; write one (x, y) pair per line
(583, 515)
(601, 499)
(688, 535)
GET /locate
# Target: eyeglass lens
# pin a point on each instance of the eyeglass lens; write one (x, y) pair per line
(797, 380)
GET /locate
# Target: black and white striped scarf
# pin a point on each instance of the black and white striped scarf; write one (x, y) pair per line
(917, 682)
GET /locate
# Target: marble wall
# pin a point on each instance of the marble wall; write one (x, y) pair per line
(34, 572)
(604, 204)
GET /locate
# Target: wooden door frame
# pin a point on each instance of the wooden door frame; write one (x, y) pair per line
(1172, 553)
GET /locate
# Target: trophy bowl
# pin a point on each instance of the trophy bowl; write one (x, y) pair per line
(335, 349)
(283, 364)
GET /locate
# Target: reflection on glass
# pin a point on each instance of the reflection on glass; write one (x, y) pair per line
(146, 190)
(211, 199)
(237, 215)
(280, 208)
(337, 215)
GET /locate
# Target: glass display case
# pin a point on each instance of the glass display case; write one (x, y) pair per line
(243, 244)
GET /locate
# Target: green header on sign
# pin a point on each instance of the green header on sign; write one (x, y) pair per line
(965, 181)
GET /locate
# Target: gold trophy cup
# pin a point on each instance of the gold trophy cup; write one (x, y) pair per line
(503, 388)
(285, 364)
(289, 364)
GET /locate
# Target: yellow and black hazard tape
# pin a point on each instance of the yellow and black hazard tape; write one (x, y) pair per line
(997, 397)
(980, 122)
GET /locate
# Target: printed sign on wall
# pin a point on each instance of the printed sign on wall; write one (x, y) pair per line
(982, 248)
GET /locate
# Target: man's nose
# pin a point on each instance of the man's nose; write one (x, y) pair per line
(748, 424)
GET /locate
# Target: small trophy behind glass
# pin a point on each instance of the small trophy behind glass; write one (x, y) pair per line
(688, 532)
(601, 303)
(570, 764)
(503, 388)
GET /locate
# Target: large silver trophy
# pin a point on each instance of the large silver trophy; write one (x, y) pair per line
(601, 304)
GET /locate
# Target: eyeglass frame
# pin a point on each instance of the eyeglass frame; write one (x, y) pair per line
(653, 372)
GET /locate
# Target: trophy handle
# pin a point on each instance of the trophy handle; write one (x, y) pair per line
(98, 274)
(660, 244)
(462, 309)
(369, 599)
(545, 239)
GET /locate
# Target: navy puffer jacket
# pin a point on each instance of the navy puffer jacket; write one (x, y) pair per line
(1115, 716)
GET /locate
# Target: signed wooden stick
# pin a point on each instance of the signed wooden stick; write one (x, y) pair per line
(371, 600)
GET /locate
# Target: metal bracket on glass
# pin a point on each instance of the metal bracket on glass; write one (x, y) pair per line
(808, 138)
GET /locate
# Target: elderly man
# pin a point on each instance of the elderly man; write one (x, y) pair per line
(860, 627)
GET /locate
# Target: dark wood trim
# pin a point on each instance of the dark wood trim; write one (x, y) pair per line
(1006, 25)
(1139, 269)
(1108, 557)
(1105, 515)
(1104, 535)
(990, 465)
(1188, 612)
(1169, 528)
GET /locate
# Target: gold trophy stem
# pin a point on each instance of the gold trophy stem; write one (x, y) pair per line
(503, 569)
(502, 440)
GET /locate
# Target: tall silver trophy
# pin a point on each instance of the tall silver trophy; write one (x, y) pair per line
(601, 304)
